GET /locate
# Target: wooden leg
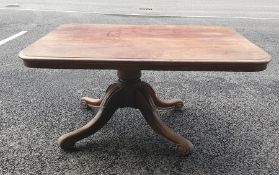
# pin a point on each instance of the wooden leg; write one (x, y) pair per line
(129, 91)
(146, 106)
(173, 103)
(87, 101)
(107, 108)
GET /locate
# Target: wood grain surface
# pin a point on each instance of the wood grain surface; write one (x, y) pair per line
(145, 47)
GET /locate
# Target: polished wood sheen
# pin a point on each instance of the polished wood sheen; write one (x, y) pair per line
(145, 47)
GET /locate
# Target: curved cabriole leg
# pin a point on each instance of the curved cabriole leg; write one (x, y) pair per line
(173, 103)
(107, 108)
(146, 106)
(87, 101)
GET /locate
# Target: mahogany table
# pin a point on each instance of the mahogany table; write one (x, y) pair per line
(132, 48)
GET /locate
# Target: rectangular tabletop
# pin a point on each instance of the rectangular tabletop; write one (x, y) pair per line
(145, 47)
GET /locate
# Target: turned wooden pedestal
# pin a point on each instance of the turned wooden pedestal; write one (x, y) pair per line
(128, 91)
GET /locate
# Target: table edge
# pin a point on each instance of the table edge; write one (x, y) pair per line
(86, 63)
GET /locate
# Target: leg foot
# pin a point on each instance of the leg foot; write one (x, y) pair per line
(146, 106)
(107, 108)
(67, 141)
(177, 104)
(185, 149)
(86, 101)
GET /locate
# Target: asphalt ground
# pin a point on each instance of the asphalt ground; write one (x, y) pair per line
(231, 118)
(214, 8)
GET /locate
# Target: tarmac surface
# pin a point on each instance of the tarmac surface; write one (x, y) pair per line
(231, 118)
(194, 8)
